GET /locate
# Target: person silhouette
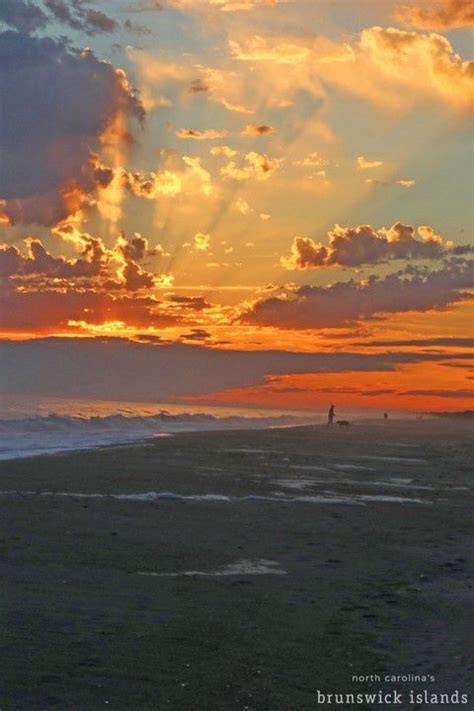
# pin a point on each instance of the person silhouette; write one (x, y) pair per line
(331, 416)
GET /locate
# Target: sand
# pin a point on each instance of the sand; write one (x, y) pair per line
(238, 570)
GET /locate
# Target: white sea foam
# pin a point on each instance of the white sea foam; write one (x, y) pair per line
(310, 467)
(274, 497)
(356, 467)
(406, 460)
(240, 567)
(152, 496)
(392, 499)
(304, 483)
(248, 450)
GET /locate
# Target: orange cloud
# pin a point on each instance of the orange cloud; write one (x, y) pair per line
(253, 130)
(364, 164)
(407, 386)
(207, 135)
(223, 151)
(441, 15)
(259, 166)
(392, 68)
(201, 242)
(258, 49)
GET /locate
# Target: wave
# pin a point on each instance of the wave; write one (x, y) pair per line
(42, 434)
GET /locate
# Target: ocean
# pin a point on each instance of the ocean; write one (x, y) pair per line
(32, 426)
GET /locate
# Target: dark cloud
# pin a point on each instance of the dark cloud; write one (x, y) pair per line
(144, 6)
(144, 371)
(253, 130)
(134, 248)
(135, 29)
(197, 86)
(22, 15)
(196, 334)
(414, 342)
(196, 303)
(78, 16)
(56, 103)
(131, 251)
(462, 394)
(347, 303)
(39, 262)
(356, 246)
(462, 366)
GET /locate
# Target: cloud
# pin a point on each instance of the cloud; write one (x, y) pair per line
(396, 67)
(364, 164)
(198, 87)
(462, 394)
(259, 166)
(442, 15)
(450, 342)
(258, 49)
(193, 179)
(78, 16)
(51, 310)
(136, 248)
(197, 173)
(135, 29)
(201, 242)
(117, 267)
(392, 68)
(144, 6)
(253, 130)
(22, 15)
(149, 186)
(239, 5)
(39, 262)
(196, 303)
(238, 108)
(62, 366)
(56, 105)
(356, 246)
(26, 17)
(243, 206)
(223, 5)
(347, 303)
(207, 135)
(313, 160)
(196, 334)
(130, 275)
(223, 151)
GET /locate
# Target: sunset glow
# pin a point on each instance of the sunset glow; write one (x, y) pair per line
(239, 177)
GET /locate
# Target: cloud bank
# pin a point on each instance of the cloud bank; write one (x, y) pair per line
(57, 103)
(356, 246)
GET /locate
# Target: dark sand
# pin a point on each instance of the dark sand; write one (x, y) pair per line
(371, 586)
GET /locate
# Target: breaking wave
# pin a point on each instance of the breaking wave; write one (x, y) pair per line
(43, 434)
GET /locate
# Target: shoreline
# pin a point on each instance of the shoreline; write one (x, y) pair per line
(148, 440)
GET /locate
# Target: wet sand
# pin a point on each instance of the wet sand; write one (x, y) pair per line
(238, 570)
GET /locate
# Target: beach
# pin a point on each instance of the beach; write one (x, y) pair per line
(240, 570)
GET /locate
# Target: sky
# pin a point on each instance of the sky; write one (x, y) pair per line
(253, 203)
